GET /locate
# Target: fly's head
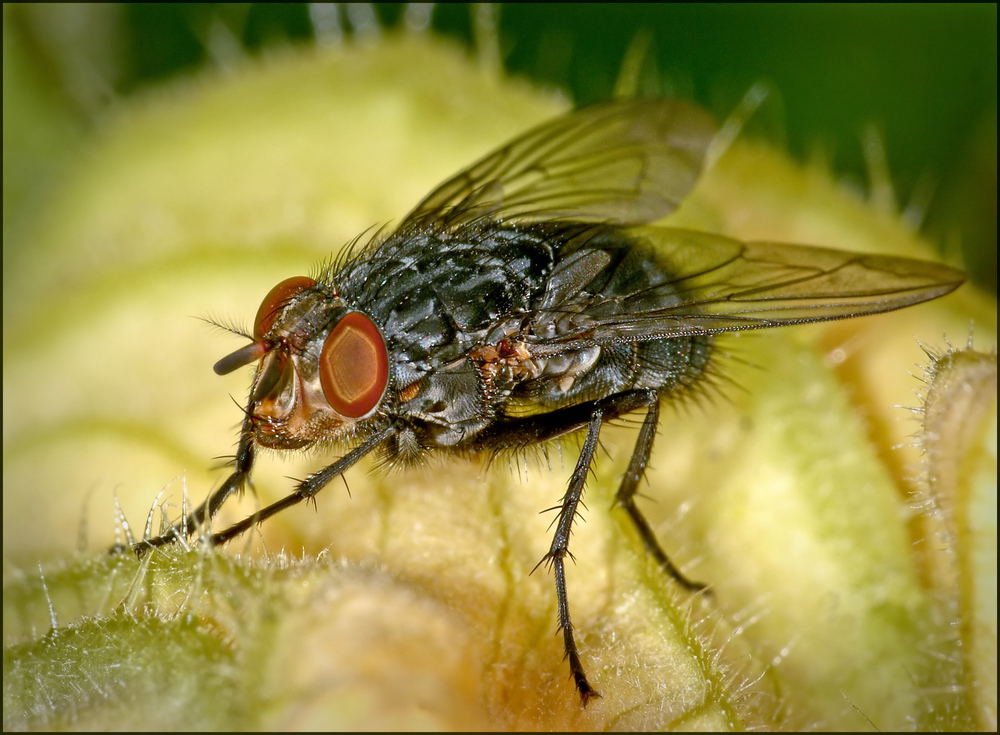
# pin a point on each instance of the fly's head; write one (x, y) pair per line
(323, 367)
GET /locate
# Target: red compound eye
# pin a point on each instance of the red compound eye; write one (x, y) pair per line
(276, 298)
(354, 366)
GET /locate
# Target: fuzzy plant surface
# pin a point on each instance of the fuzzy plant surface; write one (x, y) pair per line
(842, 537)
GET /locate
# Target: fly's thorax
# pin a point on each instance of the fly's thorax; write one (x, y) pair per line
(436, 291)
(448, 407)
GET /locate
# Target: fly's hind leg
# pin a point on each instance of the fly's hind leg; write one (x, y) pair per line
(538, 428)
(625, 498)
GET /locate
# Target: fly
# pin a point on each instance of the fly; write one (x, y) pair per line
(526, 298)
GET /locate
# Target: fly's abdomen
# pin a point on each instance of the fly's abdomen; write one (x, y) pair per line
(604, 287)
(672, 365)
(667, 366)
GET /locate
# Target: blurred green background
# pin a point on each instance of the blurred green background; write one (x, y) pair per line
(923, 76)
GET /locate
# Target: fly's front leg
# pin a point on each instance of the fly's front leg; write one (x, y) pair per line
(625, 498)
(303, 491)
(206, 511)
(307, 488)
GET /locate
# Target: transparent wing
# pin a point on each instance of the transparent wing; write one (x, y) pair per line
(624, 163)
(707, 283)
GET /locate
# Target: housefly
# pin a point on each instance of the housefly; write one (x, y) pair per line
(526, 298)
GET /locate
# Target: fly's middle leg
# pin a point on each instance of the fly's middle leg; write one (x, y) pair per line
(559, 550)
